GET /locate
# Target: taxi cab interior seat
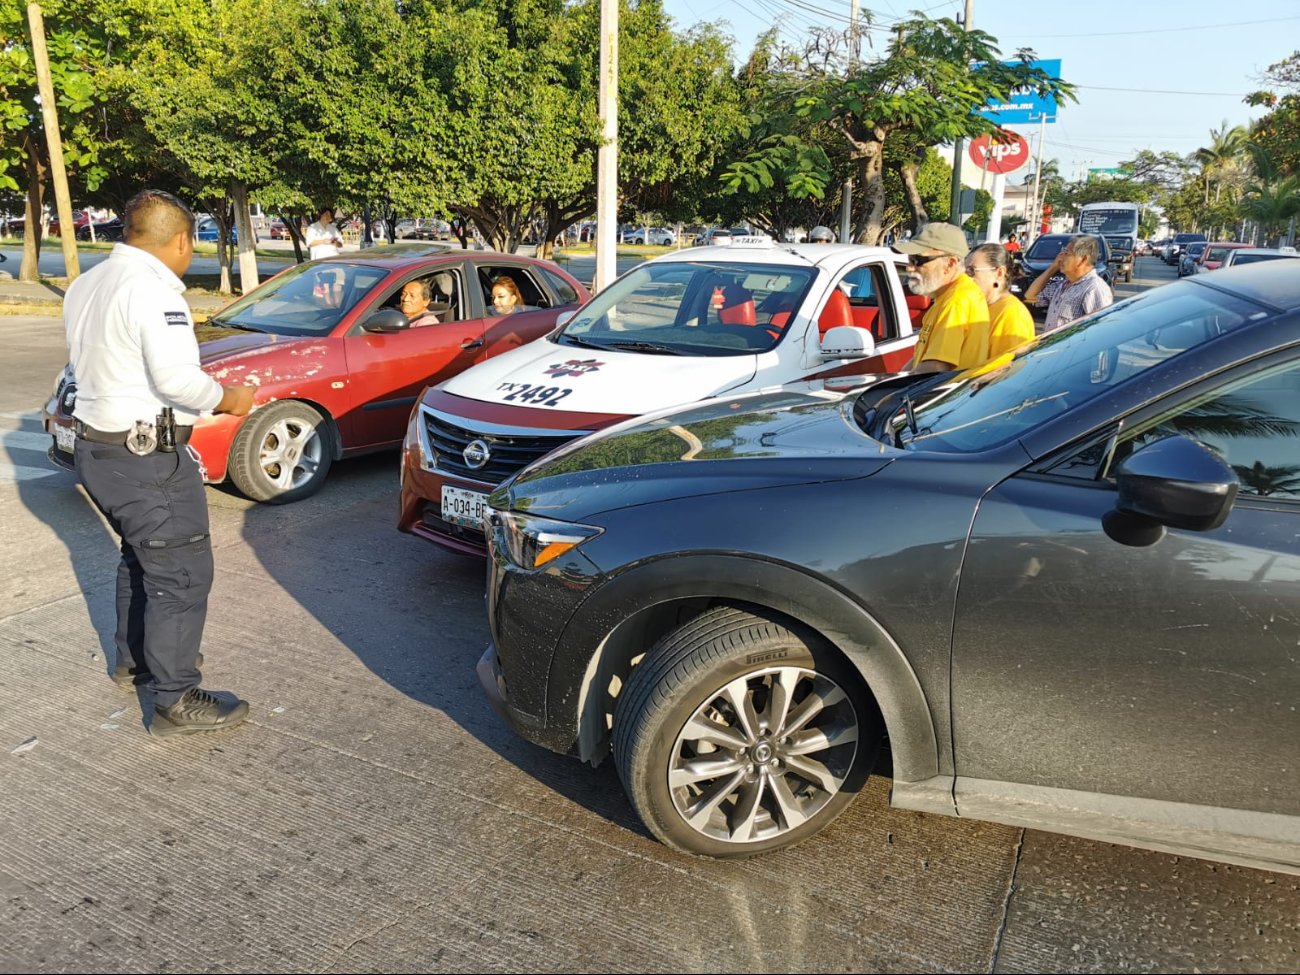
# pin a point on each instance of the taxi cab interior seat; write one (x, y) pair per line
(737, 306)
(837, 312)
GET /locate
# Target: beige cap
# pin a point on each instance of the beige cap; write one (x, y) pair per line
(936, 237)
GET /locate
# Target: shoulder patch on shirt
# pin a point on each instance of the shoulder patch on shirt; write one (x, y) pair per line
(176, 318)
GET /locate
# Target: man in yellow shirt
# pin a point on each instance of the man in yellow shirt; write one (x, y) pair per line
(936, 268)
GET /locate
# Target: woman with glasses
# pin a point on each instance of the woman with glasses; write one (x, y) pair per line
(1010, 323)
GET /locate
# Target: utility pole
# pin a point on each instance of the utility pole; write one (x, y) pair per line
(846, 191)
(41, 57)
(607, 157)
(959, 147)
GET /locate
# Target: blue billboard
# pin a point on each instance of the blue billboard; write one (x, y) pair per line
(1028, 106)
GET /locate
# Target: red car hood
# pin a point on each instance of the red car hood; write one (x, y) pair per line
(231, 356)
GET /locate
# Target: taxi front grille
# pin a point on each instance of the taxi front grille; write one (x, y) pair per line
(507, 453)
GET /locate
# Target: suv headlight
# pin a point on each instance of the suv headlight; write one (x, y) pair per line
(530, 541)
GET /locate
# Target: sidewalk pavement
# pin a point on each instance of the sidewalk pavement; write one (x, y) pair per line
(42, 295)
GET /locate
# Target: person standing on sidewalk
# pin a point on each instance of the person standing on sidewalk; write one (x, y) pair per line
(1083, 292)
(323, 238)
(132, 348)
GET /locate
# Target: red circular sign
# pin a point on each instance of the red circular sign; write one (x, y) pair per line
(1002, 156)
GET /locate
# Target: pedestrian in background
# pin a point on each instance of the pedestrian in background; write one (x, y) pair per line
(460, 230)
(323, 238)
(936, 269)
(1010, 323)
(1083, 293)
(132, 348)
(1012, 244)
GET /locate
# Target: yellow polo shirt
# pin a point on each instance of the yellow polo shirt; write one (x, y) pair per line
(1010, 326)
(957, 310)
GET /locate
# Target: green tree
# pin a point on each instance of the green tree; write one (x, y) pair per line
(926, 87)
(77, 47)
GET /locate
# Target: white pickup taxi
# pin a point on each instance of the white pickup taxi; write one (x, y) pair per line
(688, 326)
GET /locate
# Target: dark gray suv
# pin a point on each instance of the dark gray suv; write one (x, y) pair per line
(1063, 588)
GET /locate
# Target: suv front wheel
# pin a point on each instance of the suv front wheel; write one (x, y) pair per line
(736, 736)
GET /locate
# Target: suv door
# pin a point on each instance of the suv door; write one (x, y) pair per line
(1166, 672)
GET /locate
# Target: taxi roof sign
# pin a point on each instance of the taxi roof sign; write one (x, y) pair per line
(751, 240)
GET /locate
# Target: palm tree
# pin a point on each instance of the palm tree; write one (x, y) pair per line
(1263, 480)
(1271, 203)
(1227, 146)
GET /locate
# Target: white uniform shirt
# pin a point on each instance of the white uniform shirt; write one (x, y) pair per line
(131, 344)
(320, 239)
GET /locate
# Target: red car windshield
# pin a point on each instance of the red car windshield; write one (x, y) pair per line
(310, 299)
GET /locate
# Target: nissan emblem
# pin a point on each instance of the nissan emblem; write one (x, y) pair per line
(476, 454)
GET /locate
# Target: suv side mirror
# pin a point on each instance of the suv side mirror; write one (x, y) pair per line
(1174, 482)
(848, 342)
(386, 320)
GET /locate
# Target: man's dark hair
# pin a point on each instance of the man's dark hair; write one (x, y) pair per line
(155, 217)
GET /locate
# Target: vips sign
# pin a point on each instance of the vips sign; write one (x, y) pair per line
(1001, 156)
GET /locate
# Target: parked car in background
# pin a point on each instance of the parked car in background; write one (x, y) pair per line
(1213, 254)
(111, 229)
(335, 361)
(205, 229)
(1191, 254)
(1033, 262)
(279, 230)
(1253, 255)
(712, 237)
(80, 218)
(711, 322)
(1063, 588)
(661, 236)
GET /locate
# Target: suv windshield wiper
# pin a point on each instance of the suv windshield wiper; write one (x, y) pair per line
(910, 412)
(653, 347)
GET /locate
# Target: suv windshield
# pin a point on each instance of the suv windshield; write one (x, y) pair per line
(1067, 367)
(309, 299)
(692, 308)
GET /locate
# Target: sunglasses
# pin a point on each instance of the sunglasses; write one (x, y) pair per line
(917, 260)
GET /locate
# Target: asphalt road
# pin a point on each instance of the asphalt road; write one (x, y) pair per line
(374, 815)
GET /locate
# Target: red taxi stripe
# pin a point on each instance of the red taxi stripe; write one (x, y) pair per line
(509, 415)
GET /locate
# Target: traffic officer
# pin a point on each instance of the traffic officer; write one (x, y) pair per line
(132, 348)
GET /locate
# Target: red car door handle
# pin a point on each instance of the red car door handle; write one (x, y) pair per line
(472, 344)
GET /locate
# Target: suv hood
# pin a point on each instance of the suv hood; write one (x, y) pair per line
(598, 381)
(791, 436)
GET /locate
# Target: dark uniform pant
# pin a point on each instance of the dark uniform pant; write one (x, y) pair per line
(158, 508)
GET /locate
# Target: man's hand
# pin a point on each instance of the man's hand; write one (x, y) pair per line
(236, 400)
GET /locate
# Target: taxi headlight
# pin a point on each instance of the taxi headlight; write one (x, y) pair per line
(530, 541)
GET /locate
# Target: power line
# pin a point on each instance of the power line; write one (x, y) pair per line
(1161, 30)
(1163, 91)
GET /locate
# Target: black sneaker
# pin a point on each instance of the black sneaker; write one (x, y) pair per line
(199, 710)
(127, 678)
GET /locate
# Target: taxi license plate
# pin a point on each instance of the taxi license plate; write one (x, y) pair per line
(65, 438)
(461, 507)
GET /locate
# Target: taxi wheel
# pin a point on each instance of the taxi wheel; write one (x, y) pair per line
(737, 736)
(282, 453)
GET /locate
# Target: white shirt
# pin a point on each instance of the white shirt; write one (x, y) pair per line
(320, 239)
(131, 344)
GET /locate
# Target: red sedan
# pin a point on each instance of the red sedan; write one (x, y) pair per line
(338, 366)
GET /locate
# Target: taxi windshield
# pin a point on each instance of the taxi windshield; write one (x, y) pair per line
(310, 299)
(692, 308)
(999, 401)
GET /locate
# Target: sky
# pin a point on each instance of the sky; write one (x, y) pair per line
(1152, 74)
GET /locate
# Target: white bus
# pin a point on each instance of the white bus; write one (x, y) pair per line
(1118, 223)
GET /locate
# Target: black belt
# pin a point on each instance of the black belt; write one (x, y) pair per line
(118, 437)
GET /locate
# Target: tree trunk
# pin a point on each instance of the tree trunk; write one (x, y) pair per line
(907, 172)
(247, 239)
(870, 226)
(294, 222)
(33, 212)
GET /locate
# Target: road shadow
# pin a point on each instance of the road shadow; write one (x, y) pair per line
(409, 611)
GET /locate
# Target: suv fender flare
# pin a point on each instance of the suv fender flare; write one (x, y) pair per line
(784, 589)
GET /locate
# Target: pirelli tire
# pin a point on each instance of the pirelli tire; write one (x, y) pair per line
(736, 736)
(282, 453)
